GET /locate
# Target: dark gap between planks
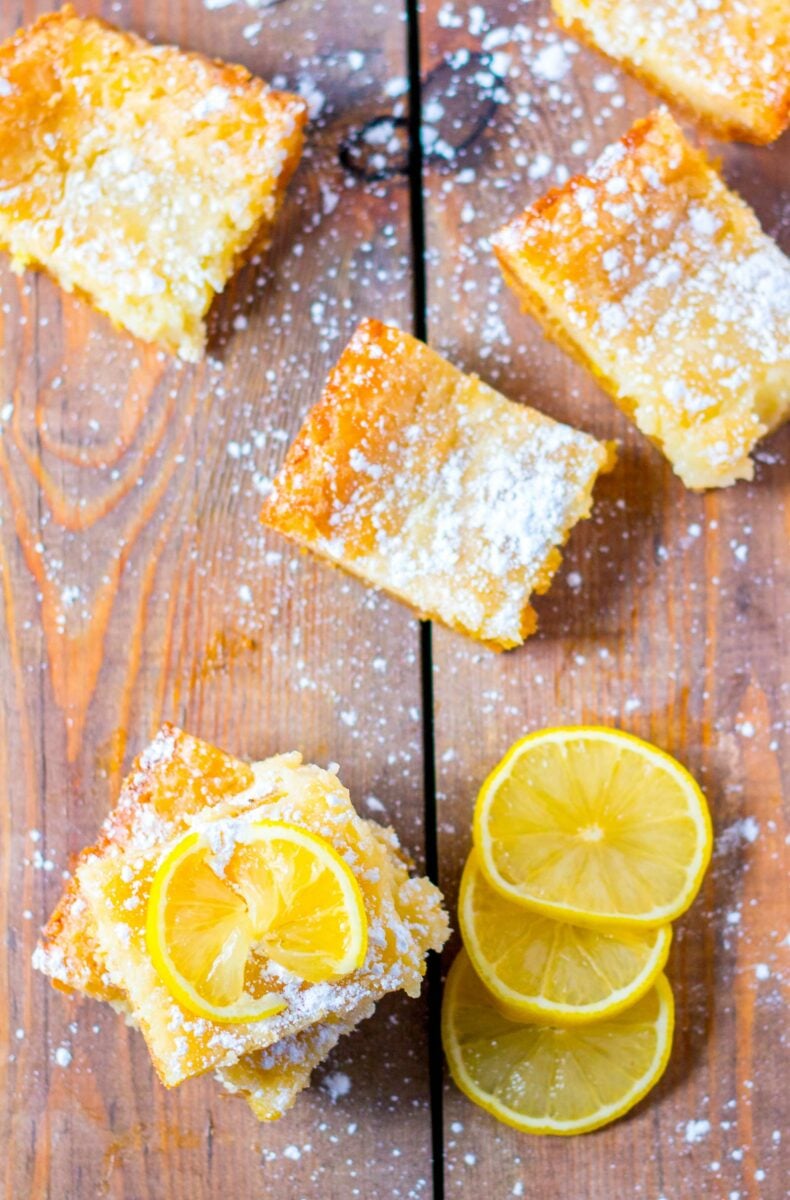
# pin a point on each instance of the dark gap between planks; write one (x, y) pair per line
(420, 325)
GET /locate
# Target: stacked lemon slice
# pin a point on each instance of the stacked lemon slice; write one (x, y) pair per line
(587, 843)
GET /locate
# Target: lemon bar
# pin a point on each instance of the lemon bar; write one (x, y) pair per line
(176, 777)
(660, 281)
(725, 61)
(269, 1080)
(140, 176)
(95, 941)
(427, 483)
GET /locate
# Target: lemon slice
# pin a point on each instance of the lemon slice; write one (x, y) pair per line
(229, 899)
(539, 969)
(593, 826)
(544, 1079)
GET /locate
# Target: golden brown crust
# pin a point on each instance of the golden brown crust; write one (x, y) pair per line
(423, 481)
(726, 64)
(139, 176)
(317, 477)
(660, 281)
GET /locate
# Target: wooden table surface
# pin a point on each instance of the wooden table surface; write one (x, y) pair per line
(137, 585)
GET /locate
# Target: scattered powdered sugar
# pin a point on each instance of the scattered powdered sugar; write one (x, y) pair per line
(62, 1056)
(551, 63)
(337, 1084)
(605, 83)
(745, 830)
(695, 1131)
(540, 166)
(309, 91)
(215, 5)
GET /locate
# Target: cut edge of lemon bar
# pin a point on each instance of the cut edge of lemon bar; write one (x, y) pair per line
(425, 482)
(659, 280)
(726, 65)
(139, 176)
(270, 1080)
(108, 957)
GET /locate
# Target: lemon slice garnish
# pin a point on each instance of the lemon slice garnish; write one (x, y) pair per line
(231, 898)
(545, 1079)
(539, 969)
(593, 826)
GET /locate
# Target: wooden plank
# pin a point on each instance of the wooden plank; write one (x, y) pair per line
(137, 585)
(668, 619)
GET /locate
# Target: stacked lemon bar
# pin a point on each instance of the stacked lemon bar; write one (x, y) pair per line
(244, 917)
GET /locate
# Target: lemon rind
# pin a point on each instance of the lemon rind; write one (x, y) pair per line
(568, 912)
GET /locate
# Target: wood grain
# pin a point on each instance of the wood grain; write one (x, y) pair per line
(138, 585)
(668, 619)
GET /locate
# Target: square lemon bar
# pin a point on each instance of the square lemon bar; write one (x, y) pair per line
(427, 483)
(660, 281)
(95, 942)
(140, 176)
(725, 61)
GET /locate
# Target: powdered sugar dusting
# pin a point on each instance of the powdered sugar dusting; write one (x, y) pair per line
(458, 506)
(665, 271)
(729, 70)
(337, 1084)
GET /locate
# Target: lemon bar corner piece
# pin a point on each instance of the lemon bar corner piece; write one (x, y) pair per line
(658, 279)
(724, 62)
(138, 176)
